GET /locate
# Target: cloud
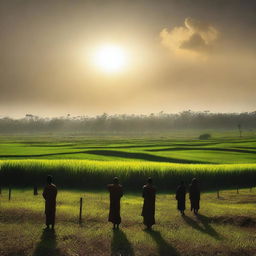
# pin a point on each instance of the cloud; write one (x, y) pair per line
(195, 36)
(195, 42)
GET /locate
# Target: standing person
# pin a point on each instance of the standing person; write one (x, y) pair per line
(115, 194)
(148, 210)
(194, 196)
(50, 194)
(181, 198)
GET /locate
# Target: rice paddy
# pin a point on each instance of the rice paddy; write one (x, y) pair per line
(225, 226)
(91, 163)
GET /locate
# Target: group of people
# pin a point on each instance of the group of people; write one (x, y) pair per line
(149, 195)
(116, 192)
(148, 210)
(194, 196)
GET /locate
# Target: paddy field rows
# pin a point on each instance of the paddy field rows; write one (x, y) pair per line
(88, 162)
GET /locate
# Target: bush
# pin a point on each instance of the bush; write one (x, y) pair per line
(205, 136)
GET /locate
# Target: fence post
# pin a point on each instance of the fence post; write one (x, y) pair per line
(10, 193)
(237, 190)
(218, 194)
(35, 191)
(80, 211)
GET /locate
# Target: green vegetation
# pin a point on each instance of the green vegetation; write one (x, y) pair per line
(205, 136)
(91, 162)
(96, 174)
(225, 226)
(172, 148)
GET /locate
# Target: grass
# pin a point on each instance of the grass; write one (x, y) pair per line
(96, 174)
(91, 162)
(222, 150)
(226, 226)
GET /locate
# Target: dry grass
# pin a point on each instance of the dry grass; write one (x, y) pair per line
(225, 226)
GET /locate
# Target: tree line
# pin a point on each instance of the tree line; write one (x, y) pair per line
(159, 122)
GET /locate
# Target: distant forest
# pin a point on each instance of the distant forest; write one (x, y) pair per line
(160, 122)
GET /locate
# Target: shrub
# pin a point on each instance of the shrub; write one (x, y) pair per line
(205, 136)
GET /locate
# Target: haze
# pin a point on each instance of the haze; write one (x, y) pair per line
(183, 54)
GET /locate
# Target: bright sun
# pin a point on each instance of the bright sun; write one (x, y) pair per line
(110, 58)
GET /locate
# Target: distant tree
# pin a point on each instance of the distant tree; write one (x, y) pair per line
(29, 116)
(158, 122)
(240, 129)
(205, 136)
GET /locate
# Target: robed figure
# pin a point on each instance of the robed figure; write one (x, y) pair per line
(115, 194)
(181, 198)
(148, 210)
(50, 194)
(194, 196)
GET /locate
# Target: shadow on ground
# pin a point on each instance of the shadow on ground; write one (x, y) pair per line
(120, 245)
(203, 148)
(47, 245)
(164, 248)
(142, 156)
(115, 153)
(205, 226)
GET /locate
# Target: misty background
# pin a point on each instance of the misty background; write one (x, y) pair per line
(197, 55)
(115, 124)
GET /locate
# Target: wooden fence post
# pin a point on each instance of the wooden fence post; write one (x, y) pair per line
(237, 190)
(10, 193)
(35, 191)
(80, 211)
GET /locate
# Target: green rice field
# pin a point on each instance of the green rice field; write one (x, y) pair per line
(83, 165)
(91, 162)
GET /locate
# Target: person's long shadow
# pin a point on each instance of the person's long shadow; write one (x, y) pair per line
(48, 245)
(206, 228)
(164, 248)
(120, 245)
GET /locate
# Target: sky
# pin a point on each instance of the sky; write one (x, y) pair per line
(178, 55)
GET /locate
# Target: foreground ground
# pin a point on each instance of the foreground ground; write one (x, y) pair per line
(225, 226)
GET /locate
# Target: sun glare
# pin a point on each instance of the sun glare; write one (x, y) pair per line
(110, 58)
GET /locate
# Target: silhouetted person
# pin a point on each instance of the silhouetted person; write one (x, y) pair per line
(115, 194)
(148, 210)
(194, 196)
(50, 194)
(181, 198)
